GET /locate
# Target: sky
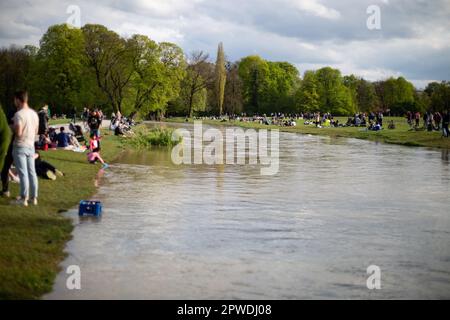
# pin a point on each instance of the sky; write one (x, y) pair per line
(411, 38)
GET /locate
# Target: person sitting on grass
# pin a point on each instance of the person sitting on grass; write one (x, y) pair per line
(375, 127)
(63, 139)
(77, 132)
(94, 156)
(44, 142)
(44, 169)
(391, 125)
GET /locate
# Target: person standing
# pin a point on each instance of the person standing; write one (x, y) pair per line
(380, 118)
(26, 124)
(445, 123)
(437, 120)
(94, 123)
(86, 114)
(74, 115)
(417, 118)
(43, 120)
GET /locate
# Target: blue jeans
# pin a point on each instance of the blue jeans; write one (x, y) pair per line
(24, 162)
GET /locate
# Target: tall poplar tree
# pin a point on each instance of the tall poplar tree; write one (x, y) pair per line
(221, 77)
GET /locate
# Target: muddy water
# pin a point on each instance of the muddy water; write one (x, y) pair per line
(336, 207)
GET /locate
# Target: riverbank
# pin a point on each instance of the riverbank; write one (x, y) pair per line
(402, 135)
(32, 239)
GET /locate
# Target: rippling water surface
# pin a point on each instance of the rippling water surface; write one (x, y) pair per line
(225, 232)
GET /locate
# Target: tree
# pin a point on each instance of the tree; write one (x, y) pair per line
(395, 95)
(15, 64)
(199, 76)
(158, 72)
(439, 95)
(233, 100)
(253, 71)
(282, 82)
(334, 96)
(352, 83)
(60, 61)
(307, 96)
(221, 78)
(111, 58)
(422, 102)
(366, 96)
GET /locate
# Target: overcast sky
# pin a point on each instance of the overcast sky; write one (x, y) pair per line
(414, 39)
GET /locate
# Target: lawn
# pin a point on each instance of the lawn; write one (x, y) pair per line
(32, 239)
(402, 135)
(56, 122)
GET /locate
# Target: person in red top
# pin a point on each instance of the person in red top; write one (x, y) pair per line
(94, 143)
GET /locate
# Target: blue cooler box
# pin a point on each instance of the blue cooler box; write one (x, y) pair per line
(90, 208)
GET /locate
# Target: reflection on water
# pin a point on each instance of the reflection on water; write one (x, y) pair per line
(212, 232)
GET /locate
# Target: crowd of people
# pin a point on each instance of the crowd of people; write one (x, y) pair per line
(121, 124)
(31, 135)
(372, 121)
(432, 121)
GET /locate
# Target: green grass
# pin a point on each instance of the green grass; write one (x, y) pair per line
(32, 239)
(52, 122)
(402, 135)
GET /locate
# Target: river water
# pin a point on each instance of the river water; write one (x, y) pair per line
(336, 207)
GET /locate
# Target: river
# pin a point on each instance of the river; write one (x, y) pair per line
(336, 207)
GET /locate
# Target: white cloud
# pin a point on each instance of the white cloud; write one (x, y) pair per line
(317, 9)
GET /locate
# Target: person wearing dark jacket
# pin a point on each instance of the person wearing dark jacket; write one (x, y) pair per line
(43, 120)
(94, 122)
(44, 169)
(62, 138)
(445, 123)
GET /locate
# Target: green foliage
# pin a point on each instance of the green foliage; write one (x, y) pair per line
(145, 138)
(159, 69)
(110, 57)
(334, 96)
(5, 136)
(268, 86)
(60, 61)
(15, 65)
(307, 95)
(282, 82)
(396, 95)
(439, 95)
(366, 96)
(253, 71)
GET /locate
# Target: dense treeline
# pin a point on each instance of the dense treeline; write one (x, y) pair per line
(95, 67)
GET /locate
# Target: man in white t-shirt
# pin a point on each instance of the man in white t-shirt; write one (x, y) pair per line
(26, 124)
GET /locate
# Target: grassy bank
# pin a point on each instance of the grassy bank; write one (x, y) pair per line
(402, 135)
(56, 122)
(32, 239)
(144, 137)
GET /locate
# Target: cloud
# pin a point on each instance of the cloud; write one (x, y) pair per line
(414, 40)
(317, 9)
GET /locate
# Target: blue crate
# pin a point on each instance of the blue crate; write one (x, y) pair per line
(90, 208)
